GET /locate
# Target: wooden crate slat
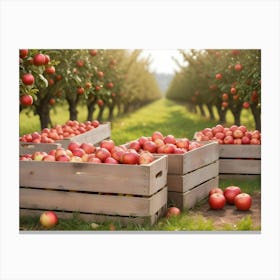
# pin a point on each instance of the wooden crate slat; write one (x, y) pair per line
(241, 176)
(112, 178)
(30, 148)
(189, 198)
(122, 220)
(92, 203)
(184, 163)
(94, 136)
(240, 151)
(240, 166)
(182, 183)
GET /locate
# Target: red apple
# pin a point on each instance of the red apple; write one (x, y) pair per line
(146, 157)
(150, 146)
(159, 142)
(173, 211)
(142, 140)
(217, 201)
(184, 142)
(102, 154)
(255, 141)
(135, 145)
(237, 141)
(220, 135)
(107, 144)
(38, 155)
(231, 192)
(169, 148)
(73, 145)
(49, 158)
(130, 158)
(256, 134)
(111, 160)
(169, 139)
(93, 159)
(243, 201)
(215, 190)
(157, 135)
(194, 145)
(89, 148)
(228, 140)
(63, 158)
(48, 219)
(237, 133)
(245, 140)
(179, 150)
(117, 153)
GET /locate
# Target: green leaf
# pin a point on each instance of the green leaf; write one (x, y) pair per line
(44, 80)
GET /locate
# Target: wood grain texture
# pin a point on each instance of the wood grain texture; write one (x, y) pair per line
(240, 151)
(191, 197)
(92, 203)
(30, 148)
(240, 166)
(182, 183)
(112, 178)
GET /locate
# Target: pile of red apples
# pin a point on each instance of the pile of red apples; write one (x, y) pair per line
(230, 135)
(107, 152)
(60, 132)
(157, 143)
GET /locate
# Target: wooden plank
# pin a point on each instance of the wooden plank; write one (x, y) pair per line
(30, 148)
(192, 160)
(92, 203)
(179, 183)
(191, 197)
(240, 166)
(122, 220)
(110, 178)
(241, 176)
(240, 151)
(94, 136)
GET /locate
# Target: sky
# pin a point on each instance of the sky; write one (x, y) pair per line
(161, 60)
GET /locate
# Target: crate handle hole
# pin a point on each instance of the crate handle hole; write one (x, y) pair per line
(159, 174)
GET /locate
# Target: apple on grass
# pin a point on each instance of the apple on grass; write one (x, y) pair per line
(243, 201)
(48, 219)
(173, 211)
(231, 192)
(217, 201)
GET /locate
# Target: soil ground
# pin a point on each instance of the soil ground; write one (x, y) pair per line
(230, 215)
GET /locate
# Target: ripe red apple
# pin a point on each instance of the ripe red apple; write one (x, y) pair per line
(169, 139)
(217, 201)
(243, 201)
(142, 140)
(79, 152)
(159, 142)
(220, 135)
(225, 97)
(150, 146)
(157, 135)
(111, 160)
(233, 127)
(173, 211)
(256, 134)
(238, 67)
(95, 123)
(146, 157)
(102, 154)
(237, 133)
(130, 158)
(245, 140)
(184, 142)
(231, 192)
(108, 144)
(246, 105)
(48, 219)
(237, 141)
(228, 140)
(39, 59)
(60, 151)
(89, 148)
(26, 100)
(255, 141)
(135, 145)
(63, 158)
(117, 153)
(93, 159)
(49, 157)
(219, 76)
(169, 148)
(23, 53)
(93, 52)
(73, 145)
(179, 150)
(216, 190)
(28, 79)
(50, 70)
(233, 90)
(194, 145)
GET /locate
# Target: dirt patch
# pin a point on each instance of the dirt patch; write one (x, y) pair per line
(230, 215)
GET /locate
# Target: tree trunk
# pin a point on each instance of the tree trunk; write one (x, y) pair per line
(210, 110)
(236, 111)
(73, 112)
(222, 114)
(256, 111)
(91, 108)
(202, 111)
(43, 111)
(100, 113)
(111, 111)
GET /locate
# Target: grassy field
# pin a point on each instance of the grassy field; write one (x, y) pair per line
(162, 115)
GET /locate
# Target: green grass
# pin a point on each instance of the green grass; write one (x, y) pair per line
(169, 118)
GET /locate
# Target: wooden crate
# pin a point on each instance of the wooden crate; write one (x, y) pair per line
(126, 193)
(240, 160)
(191, 175)
(94, 136)
(30, 148)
